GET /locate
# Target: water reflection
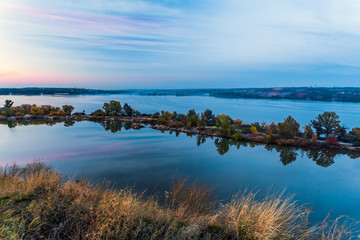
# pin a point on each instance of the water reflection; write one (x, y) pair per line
(287, 155)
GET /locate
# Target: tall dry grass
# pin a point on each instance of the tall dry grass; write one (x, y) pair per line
(36, 203)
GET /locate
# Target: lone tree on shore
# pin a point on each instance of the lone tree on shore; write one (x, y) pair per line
(8, 104)
(326, 123)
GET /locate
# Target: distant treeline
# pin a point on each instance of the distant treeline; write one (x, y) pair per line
(337, 94)
(56, 91)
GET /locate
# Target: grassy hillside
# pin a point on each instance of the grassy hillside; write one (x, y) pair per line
(36, 203)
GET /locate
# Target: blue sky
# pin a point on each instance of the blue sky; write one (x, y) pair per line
(179, 44)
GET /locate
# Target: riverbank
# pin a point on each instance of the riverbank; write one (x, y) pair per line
(211, 131)
(37, 203)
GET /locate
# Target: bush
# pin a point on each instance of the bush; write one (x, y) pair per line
(253, 129)
(331, 140)
(98, 113)
(237, 136)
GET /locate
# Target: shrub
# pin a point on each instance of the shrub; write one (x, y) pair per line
(98, 113)
(237, 136)
(331, 140)
(253, 129)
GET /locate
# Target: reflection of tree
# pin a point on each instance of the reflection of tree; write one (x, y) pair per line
(288, 155)
(354, 155)
(69, 123)
(127, 125)
(222, 145)
(11, 124)
(201, 139)
(269, 147)
(323, 158)
(113, 126)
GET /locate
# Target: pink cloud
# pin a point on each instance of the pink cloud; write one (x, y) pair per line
(109, 24)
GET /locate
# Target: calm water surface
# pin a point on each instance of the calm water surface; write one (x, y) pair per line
(148, 159)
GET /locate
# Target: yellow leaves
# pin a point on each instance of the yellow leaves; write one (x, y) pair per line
(253, 129)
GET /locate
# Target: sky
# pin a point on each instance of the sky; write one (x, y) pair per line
(122, 44)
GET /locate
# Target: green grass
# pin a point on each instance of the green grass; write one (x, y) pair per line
(36, 203)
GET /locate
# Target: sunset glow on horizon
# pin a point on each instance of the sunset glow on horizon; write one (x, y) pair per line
(179, 44)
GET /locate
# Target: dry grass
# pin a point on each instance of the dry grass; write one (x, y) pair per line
(35, 203)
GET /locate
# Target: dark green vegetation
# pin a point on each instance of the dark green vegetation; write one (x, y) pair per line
(346, 94)
(36, 202)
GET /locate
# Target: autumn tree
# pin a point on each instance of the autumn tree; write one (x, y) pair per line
(192, 118)
(308, 132)
(164, 116)
(326, 123)
(113, 108)
(289, 128)
(224, 125)
(67, 109)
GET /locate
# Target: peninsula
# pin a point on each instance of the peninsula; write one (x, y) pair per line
(324, 131)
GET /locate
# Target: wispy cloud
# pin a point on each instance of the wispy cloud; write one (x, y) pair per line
(177, 42)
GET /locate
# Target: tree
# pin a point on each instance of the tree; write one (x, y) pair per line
(289, 128)
(128, 110)
(192, 117)
(326, 123)
(8, 104)
(341, 133)
(207, 115)
(316, 126)
(67, 109)
(224, 125)
(308, 132)
(113, 108)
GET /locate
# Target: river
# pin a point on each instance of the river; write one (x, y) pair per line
(148, 160)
